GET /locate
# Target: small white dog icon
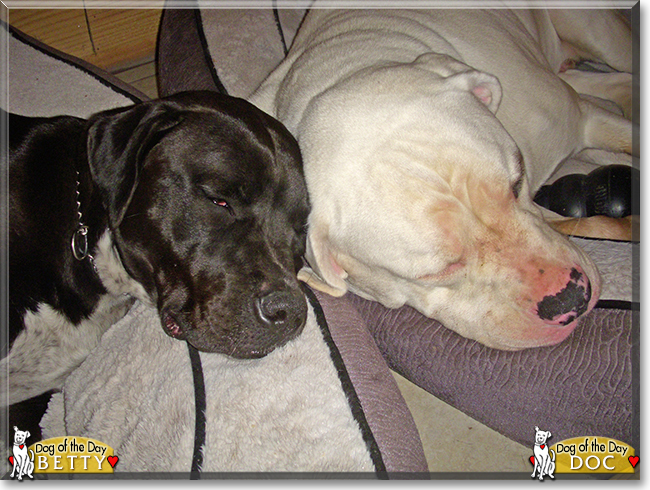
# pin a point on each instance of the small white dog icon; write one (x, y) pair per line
(23, 464)
(544, 463)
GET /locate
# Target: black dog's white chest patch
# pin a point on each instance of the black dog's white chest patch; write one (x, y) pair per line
(50, 347)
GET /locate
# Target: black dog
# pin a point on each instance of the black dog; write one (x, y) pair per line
(195, 204)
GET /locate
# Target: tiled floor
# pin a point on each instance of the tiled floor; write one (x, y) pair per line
(107, 38)
(141, 76)
(454, 442)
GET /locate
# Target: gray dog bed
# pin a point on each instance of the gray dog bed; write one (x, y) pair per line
(587, 385)
(325, 403)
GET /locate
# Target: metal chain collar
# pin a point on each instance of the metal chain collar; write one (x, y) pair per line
(79, 243)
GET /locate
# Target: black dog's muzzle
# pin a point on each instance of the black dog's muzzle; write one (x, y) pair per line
(278, 316)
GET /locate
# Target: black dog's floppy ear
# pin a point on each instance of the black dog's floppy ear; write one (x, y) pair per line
(118, 141)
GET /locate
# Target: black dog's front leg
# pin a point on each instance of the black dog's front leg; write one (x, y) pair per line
(27, 415)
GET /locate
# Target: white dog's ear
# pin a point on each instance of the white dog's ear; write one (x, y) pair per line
(484, 86)
(326, 274)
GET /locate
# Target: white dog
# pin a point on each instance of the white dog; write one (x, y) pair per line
(544, 462)
(424, 134)
(23, 465)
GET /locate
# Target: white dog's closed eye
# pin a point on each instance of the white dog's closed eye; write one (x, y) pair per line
(447, 273)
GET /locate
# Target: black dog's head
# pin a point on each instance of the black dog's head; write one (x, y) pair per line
(207, 205)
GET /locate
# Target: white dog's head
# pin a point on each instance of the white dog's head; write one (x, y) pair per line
(541, 436)
(419, 197)
(20, 436)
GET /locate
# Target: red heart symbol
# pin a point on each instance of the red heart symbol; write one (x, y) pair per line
(543, 446)
(113, 460)
(11, 460)
(633, 460)
(532, 460)
(21, 446)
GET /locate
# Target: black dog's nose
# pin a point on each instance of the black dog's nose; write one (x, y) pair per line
(282, 309)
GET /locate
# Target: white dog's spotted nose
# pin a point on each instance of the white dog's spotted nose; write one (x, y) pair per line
(569, 303)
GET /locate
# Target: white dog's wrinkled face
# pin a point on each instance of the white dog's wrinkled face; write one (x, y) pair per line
(430, 207)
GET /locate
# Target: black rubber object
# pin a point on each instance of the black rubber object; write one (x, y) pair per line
(611, 191)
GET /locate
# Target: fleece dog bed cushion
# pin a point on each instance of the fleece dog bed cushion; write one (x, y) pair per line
(309, 406)
(325, 402)
(588, 385)
(284, 412)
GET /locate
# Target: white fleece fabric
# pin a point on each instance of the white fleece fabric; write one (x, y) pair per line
(617, 267)
(285, 412)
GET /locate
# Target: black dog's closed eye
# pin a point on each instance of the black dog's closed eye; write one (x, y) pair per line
(221, 203)
(217, 201)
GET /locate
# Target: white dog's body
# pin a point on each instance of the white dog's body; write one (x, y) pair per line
(544, 457)
(23, 465)
(418, 191)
